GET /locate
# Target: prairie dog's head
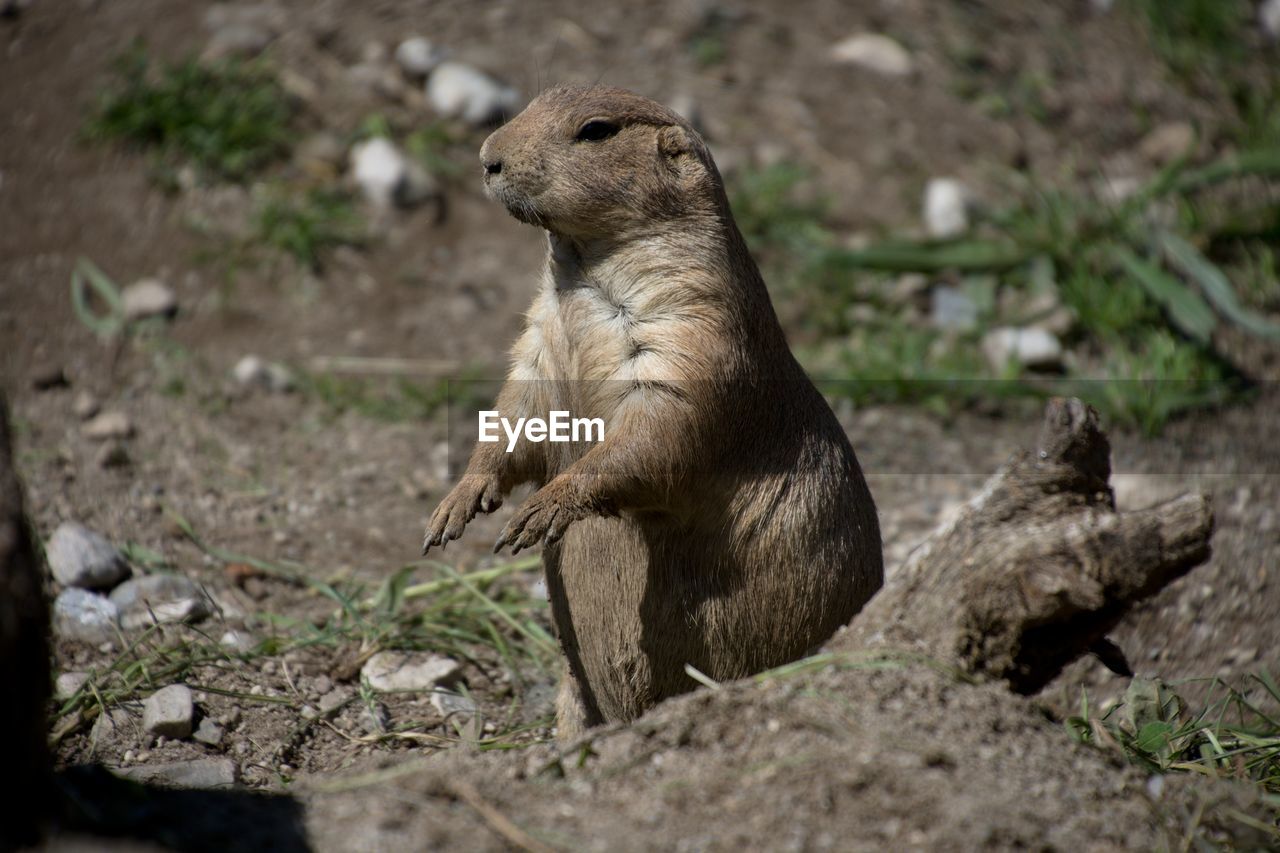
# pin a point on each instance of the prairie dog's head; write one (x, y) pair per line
(599, 162)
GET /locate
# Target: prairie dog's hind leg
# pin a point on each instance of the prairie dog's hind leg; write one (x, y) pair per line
(573, 716)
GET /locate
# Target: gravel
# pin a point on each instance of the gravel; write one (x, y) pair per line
(80, 557)
(148, 298)
(108, 425)
(388, 178)
(85, 616)
(876, 53)
(159, 598)
(392, 670)
(457, 90)
(946, 208)
(1028, 347)
(418, 57)
(169, 712)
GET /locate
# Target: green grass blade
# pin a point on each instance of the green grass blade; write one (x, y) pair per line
(1216, 286)
(963, 255)
(1186, 310)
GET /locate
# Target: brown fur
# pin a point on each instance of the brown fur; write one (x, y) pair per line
(724, 522)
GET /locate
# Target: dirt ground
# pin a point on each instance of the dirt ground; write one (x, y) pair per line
(850, 759)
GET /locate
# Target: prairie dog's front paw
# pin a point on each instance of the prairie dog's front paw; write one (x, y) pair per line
(545, 516)
(473, 494)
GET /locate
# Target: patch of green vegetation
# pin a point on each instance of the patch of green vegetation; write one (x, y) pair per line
(228, 118)
(1235, 736)
(1195, 35)
(1146, 297)
(305, 224)
(390, 399)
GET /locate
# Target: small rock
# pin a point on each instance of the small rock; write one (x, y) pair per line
(48, 377)
(321, 684)
(85, 406)
(68, 684)
(243, 40)
(946, 208)
(112, 455)
(450, 704)
(115, 724)
(387, 177)
(1269, 19)
(270, 375)
(148, 298)
(108, 425)
(209, 732)
(333, 700)
(1168, 142)
(418, 57)
(159, 598)
(456, 90)
(874, 52)
(1029, 347)
(953, 309)
(169, 712)
(238, 640)
(85, 616)
(200, 773)
(82, 558)
(321, 154)
(390, 670)
(375, 718)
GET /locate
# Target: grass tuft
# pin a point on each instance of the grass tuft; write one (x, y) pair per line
(229, 118)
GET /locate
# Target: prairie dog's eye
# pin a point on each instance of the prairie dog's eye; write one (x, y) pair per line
(596, 130)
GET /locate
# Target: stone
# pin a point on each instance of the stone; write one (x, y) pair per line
(1269, 19)
(375, 718)
(108, 425)
(85, 617)
(240, 40)
(1168, 142)
(82, 558)
(200, 773)
(946, 208)
(241, 29)
(1027, 347)
(457, 90)
(953, 309)
(159, 598)
(273, 376)
(451, 704)
(148, 297)
(68, 684)
(169, 712)
(49, 376)
(114, 724)
(112, 455)
(391, 670)
(85, 406)
(321, 154)
(874, 52)
(209, 732)
(418, 57)
(387, 177)
(240, 641)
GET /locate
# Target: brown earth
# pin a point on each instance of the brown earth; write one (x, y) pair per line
(846, 759)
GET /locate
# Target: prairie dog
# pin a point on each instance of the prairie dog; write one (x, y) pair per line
(723, 522)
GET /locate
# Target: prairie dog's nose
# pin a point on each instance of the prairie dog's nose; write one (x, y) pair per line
(492, 167)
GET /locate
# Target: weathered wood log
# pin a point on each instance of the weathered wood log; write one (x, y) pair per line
(1039, 566)
(24, 662)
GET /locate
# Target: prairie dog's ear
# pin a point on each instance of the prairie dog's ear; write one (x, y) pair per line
(673, 140)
